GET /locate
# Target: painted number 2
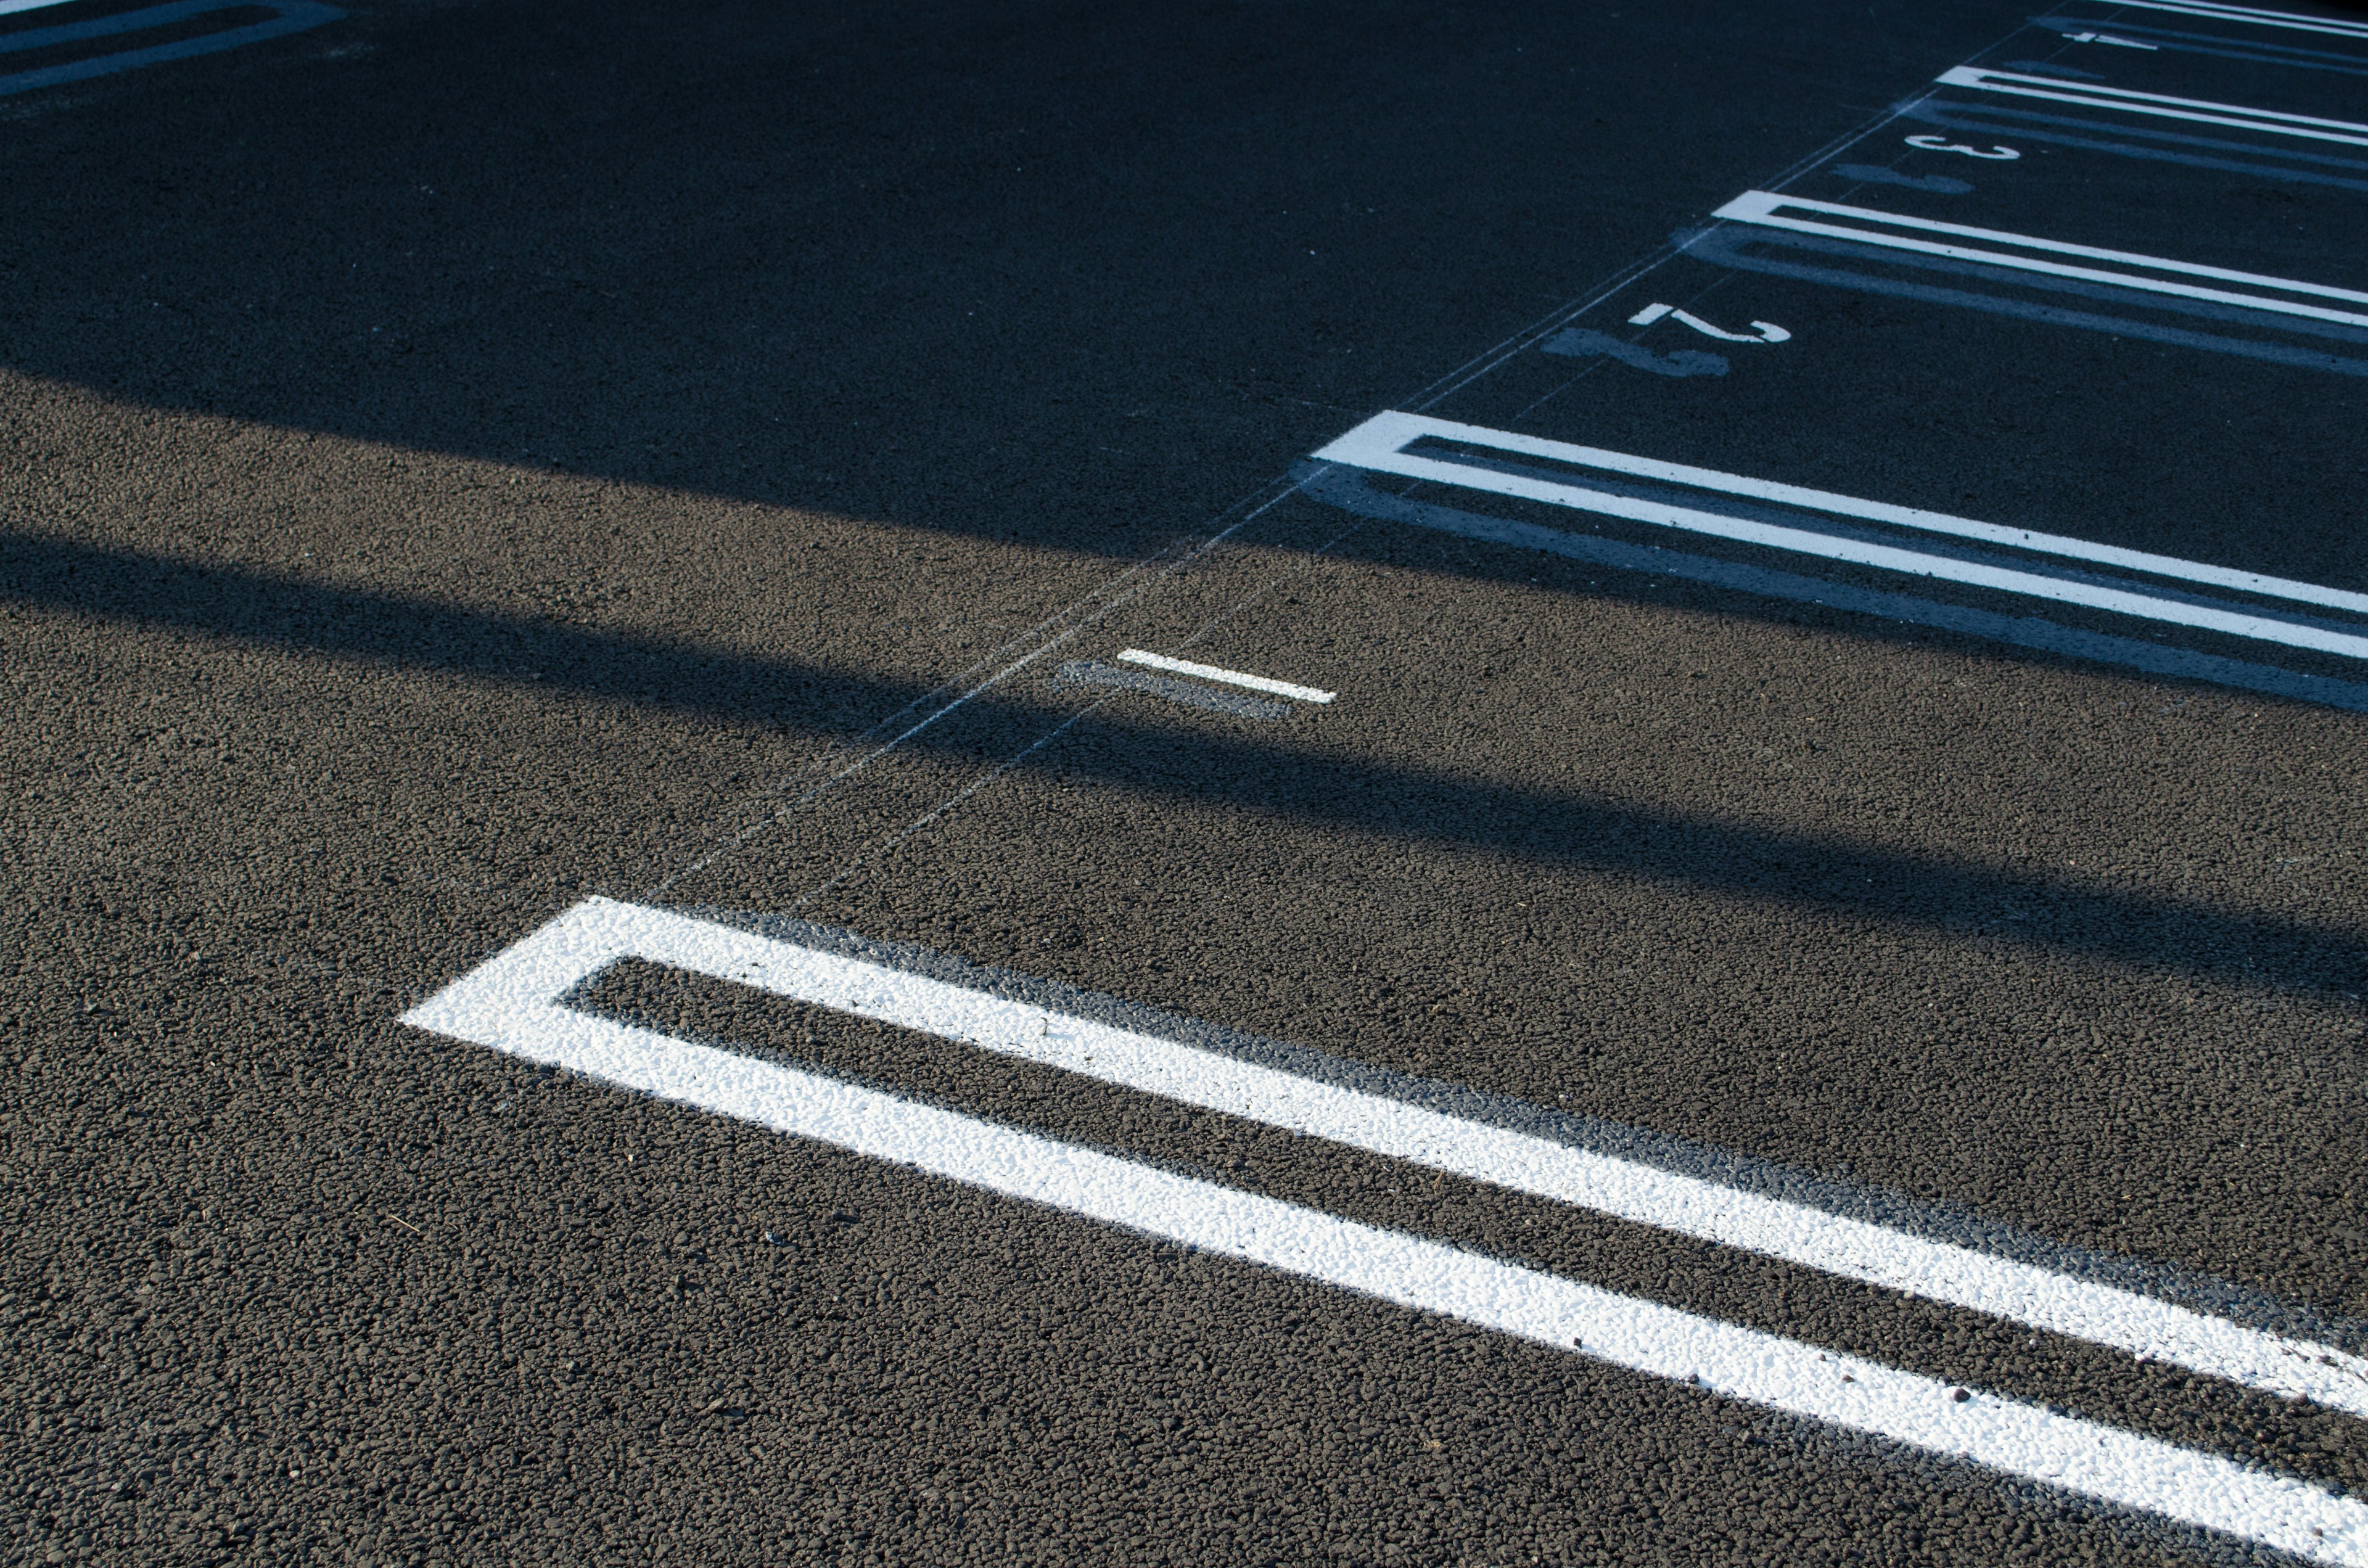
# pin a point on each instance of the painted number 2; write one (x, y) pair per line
(1765, 331)
(1935, 145)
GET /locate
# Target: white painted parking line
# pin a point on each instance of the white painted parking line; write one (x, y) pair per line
(2038, 1298)
(286, 16)
(1231, 678)
(2057, 90)
(1868, 226)
(1378, 446)
(515, 1003)
(2252, 15)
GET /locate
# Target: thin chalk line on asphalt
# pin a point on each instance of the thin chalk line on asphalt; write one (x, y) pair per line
(1437, 391)
(881, 846)
(1528, 337)
(1115, 592)
(514, 1003)
(873, 848)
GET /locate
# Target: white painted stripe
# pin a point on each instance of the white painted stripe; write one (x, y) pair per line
(1763, 208)
(1388, 432)
(1852, 1249)
(10, 8)
(2253, 14)
(1231, 678)
(511, 1004)
(1375, 445)
(2057, 90)
(1756, 205)
(1983, 75)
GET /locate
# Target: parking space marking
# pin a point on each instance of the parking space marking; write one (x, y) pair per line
(1384, 436)
(2106, 38)
(1868, 226)
(2221, 46)
(1230, 677)
(288, 17)
(516, 1004)
(2251, 14)
(1346, 489)
(1378, 446)
(2057, 90)
(600, 931)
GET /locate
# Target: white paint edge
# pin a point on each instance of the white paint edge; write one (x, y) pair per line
(1376, 446)
(600, 931)
(10, 8)
(1388, 432)
(510, 1003)
(2129, 99)
(1231, 678)
(1760, 207)
(2254, 16)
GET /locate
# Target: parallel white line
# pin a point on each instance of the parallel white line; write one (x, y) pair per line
(1770, 210)
(2253, 14)
(2130, 101)
(1375, 445)
(511, 1004)
(1383, 436)
(1231, 678)
(1853, 1249)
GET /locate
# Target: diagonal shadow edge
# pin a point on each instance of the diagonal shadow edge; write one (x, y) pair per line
(261, 610)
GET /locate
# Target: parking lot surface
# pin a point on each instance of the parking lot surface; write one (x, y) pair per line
(1198, 783)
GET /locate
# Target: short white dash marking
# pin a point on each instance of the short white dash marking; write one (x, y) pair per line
(1231, 678)
(513, 1004)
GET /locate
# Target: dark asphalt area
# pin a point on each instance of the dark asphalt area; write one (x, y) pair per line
(460, 459)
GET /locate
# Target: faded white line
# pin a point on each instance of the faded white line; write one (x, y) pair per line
(2141, 1326)
(10, 8)
(512, 1004)
(1190, 693)
(1231, 678)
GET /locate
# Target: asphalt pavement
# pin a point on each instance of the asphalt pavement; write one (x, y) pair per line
(1218, 783)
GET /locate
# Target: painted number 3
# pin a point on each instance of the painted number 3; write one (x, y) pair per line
(1934, 145)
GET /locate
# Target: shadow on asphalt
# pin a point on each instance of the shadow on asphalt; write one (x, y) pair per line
(270, 612)
(1082, 278)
